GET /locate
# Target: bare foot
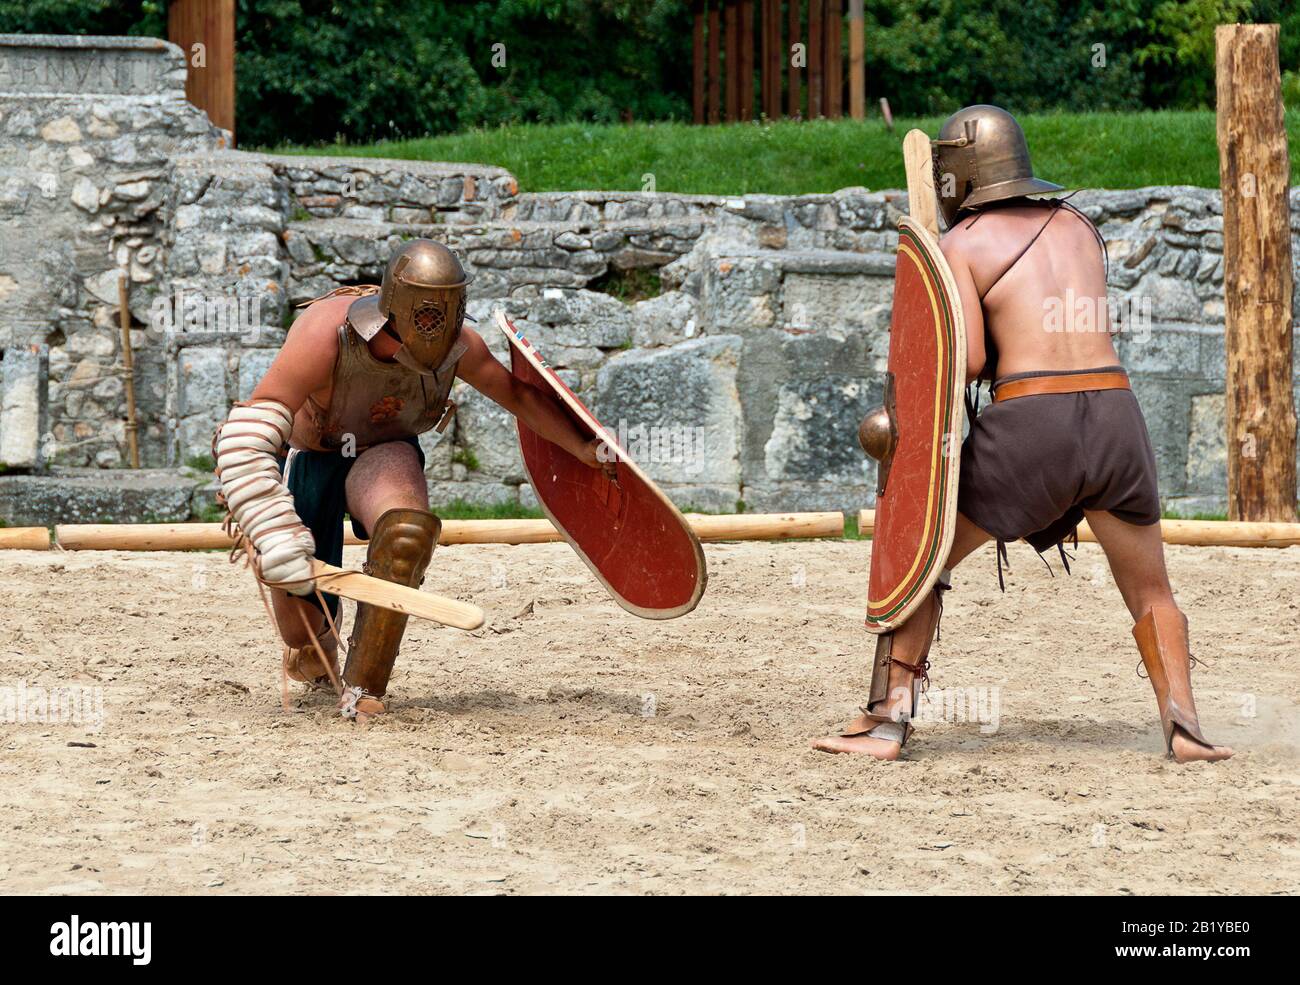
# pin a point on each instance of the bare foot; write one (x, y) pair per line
(1188, 750)
(877, 748)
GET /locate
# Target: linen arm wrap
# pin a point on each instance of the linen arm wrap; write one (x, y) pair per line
(247, 449)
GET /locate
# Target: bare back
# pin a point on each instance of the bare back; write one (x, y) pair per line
(1045, 311)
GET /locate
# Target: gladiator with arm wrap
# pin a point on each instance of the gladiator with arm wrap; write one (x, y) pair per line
(332, 433)
(272, 461)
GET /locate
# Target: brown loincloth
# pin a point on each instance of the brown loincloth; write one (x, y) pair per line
(1032, 465)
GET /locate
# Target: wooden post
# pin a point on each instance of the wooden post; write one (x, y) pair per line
(697, 64)
(715, 80)
(128, 374)
(732, 48)
(833, 73)
(857, 61)
(777, 61)
(1254, 174)
(794, 94)
(815, 58)
(747, 59)
(210, 69)
(765, 56)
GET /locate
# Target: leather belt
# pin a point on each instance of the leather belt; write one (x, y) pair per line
(1060, 383)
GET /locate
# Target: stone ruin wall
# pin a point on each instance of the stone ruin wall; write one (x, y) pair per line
(755, 360)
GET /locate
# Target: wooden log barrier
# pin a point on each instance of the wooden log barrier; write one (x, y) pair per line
(710, 529)
(209, 536)
(24, 539)
(1193, 533)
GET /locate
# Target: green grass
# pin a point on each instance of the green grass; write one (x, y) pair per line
(1078, 150)
(1168, 514)
(629, 286)
(467, 458)
(851, 531)
(458, 509)
(210, 513)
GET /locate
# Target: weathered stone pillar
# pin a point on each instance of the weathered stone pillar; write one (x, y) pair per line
(24, 413)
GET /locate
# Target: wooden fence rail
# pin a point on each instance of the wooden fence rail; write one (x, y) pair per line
(795, 39)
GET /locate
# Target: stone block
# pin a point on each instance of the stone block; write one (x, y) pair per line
(1207, 451)
(487, 442)
(97, 496)
(24, 379)
(813, 430)
(677, 410)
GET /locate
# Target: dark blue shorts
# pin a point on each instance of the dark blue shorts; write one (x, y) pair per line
(317, 481)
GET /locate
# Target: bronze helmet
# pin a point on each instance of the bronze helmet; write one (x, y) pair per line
(421, 300)
(980, 157)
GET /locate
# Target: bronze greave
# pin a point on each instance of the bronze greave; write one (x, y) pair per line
(401, 546)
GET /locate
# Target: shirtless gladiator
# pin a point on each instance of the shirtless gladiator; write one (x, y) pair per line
(1064, 437)
(331, 428)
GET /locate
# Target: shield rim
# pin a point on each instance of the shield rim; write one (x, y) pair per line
(956, 388)
(525, 348)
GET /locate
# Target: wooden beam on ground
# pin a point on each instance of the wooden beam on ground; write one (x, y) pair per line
(766, 526)
(24, 539)
(1254, 174)
(210, 536)
(857, 61)
(1190, 533)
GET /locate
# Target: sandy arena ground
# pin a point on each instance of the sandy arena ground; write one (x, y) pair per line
(568, 747)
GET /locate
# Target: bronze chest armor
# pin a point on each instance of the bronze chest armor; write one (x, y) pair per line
(375, 401)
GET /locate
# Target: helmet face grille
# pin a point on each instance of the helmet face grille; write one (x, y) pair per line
(429, 319)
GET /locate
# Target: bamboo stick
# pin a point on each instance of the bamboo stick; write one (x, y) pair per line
(1191, 533)
(209, 536)
(24, 539)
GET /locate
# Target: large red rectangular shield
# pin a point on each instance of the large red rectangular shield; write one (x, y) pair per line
(631, 536)
(916, 501)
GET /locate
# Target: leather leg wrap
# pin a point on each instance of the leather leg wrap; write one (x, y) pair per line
(1161, 637)
(880, 668)
(885, 658)
(401, 546)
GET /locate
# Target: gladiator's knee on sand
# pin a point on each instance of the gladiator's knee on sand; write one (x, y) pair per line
(401, 546)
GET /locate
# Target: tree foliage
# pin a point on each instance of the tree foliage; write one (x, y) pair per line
(314, 70)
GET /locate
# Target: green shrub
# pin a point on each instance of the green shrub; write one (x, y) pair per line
(311, 71)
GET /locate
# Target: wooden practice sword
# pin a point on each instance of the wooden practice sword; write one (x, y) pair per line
(388, 595)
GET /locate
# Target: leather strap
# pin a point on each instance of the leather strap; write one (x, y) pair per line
(1062, 383)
